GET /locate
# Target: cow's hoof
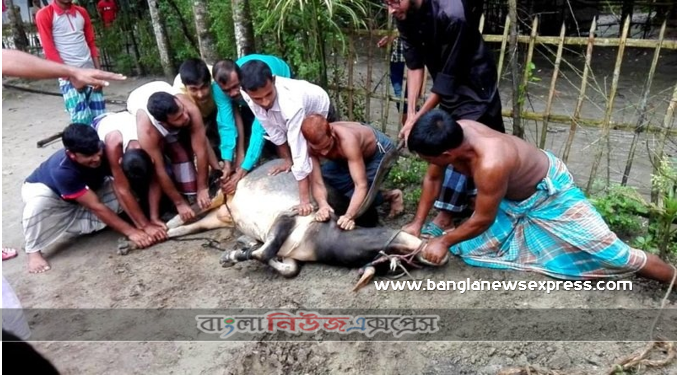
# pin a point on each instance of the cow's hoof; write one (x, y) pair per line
(227, 259)
(123, 246)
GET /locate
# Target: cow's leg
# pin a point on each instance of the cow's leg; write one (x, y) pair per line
(231, 257)
(217, 201)
(287, 267)
(211, 221)
(278, 234)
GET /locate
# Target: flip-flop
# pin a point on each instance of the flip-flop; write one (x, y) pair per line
(431, 230)
(8, 253)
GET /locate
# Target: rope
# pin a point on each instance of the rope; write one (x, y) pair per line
(211, 243)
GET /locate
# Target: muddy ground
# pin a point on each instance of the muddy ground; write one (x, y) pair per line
(87, 273)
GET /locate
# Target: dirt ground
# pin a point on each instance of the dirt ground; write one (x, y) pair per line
(87, 273)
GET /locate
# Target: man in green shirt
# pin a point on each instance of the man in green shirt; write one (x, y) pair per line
(233, 134)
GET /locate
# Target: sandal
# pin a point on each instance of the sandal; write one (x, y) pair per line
(431, 230)
(8, 253)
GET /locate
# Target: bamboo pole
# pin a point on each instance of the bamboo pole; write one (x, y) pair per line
(643, 106)
(572, 40)
(337, 82)
(385, 110)
(539, 116)
(351, 68)
(609, 106)
(517, 128)
(501, 58)
(553, 83)
(667, 127)
(581, 95)
(370, 54)
(527, 65)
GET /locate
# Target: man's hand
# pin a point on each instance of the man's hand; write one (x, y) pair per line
(93, 77)
(406, 129)
(413, 228)
(226, 170)
(203, 198)
(285, 167)
(346, 222)
(185, 212)
(159, 223)
(229, 185)
(140, 239)
(304, 209)
(381, 43)
(157, 233)
(324, 213)
(435, 250)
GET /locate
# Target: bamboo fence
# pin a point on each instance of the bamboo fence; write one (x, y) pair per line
(509, 46)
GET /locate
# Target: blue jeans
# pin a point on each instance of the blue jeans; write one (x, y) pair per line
(396, 79)
(337, 174)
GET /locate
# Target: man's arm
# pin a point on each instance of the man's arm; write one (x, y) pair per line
(90, 38)
(492, 185)
(91, 201)
(21, 64)
(225, 121)
(302, 165)
(319, 189)
(358, 173)
(239, 150)
(432, 184)
(413, 57)
(256, 142)
(154, 197)
(113, 147)
(199, 143)
(149, 141)
(43, 21)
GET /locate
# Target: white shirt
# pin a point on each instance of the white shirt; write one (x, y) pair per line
(123, 122)
(138, 100)
(295, 100)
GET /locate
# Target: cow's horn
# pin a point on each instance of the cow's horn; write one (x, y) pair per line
(368, 274)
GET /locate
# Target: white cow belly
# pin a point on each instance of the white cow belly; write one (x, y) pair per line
(295, 239)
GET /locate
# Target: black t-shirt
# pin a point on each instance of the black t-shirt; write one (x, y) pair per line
(443, 35)
(68, 179)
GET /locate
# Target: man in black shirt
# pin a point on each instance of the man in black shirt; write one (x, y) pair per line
(443, 36)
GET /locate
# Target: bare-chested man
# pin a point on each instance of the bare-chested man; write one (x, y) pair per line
(529, 214)
(355, 152)
(173, 124)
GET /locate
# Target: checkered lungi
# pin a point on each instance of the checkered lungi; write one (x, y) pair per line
(82, 105)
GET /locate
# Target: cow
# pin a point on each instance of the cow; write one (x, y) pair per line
(262, 208)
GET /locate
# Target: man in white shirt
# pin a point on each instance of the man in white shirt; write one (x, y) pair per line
(281, 104)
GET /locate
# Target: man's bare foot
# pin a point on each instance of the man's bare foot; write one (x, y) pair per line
(396, 199)
(36, 263)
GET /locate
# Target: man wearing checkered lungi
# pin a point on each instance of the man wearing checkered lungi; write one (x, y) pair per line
(67, 36)
(444, 37)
